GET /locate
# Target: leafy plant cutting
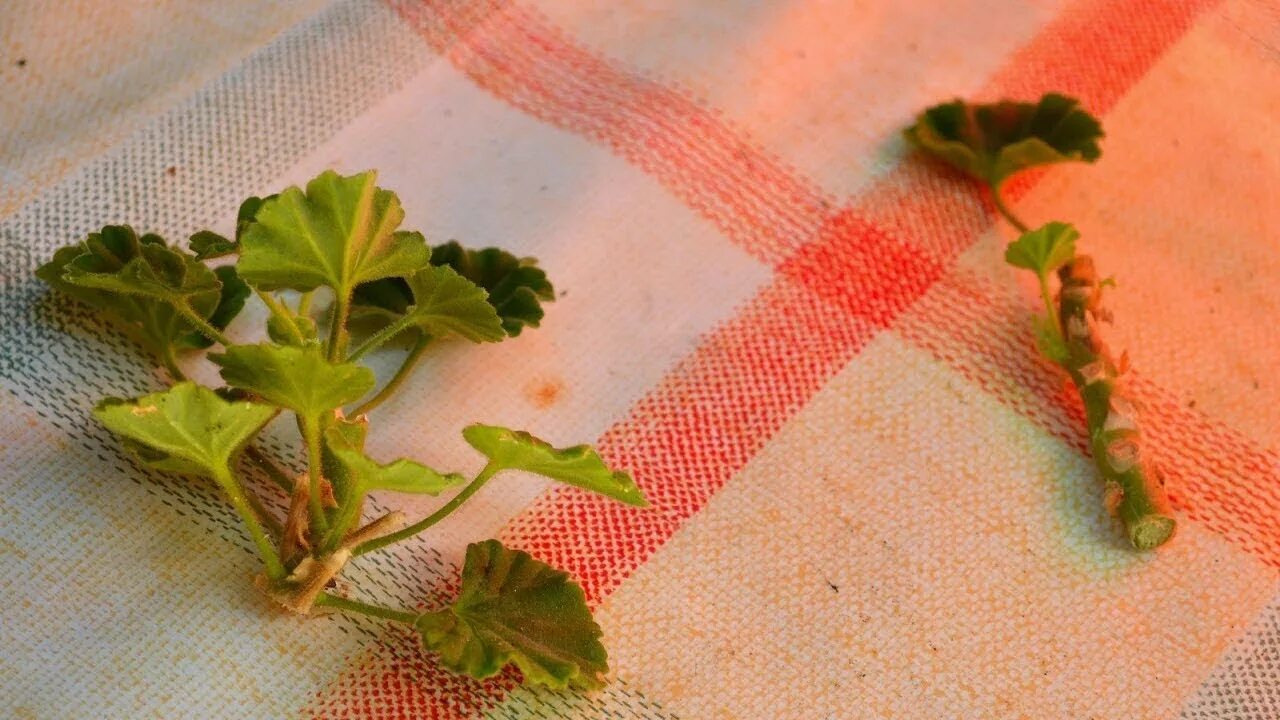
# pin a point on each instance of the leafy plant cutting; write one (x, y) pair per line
(340, 239)
(992, 142)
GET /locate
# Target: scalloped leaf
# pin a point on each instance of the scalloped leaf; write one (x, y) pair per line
(993, 141)
(513, 608)
(297, 378)
(579, 465)
(207, 244)
(186, 429)
(341, 232)
(136, 280)
(516, 287)
(403, 476)
(1044, 249)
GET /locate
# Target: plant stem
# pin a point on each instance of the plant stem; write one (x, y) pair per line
(186, 311)
(278, 476)
(348, 514)
(406, 369)
(279, 310)
(377, 544)
(311, 432)
(231, 486)
(380, 337)
(304, 303)
(273, 525)
(338, 331)
(341, 603)
(1135, 489)
(170, 361)
(1005, 211)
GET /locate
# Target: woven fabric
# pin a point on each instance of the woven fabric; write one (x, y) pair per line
(870, 498)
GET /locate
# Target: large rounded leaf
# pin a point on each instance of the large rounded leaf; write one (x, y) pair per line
(514, 608)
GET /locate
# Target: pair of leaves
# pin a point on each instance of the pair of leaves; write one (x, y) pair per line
(187, 428)
(515, 287)
(141, 281)
(1043, 251)
(512, 608)
(993, 141)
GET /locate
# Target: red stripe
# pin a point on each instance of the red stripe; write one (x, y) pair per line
(842, 275)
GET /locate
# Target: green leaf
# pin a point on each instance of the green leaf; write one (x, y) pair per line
(207, 245)
(1044, 249)
(340, 233)
(516, 286)
(279, 331)
(404, 476)
(137, 280)
(248, 213)
(446, 303)
(187, 428)
(1049, 340)
(120, 262)
(230, 302)
(514, 608)
(579, 465)
(993, 141)
(297, 378)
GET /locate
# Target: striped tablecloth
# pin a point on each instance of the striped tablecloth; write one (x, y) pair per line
(870, 498)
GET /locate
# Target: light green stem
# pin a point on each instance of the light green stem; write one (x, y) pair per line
(273, 525)
(338, 331)
(348, 515)
(278, 476)
(186, 311)
(311, 432)
(279, 310)
(231, 486)
(378, 543)
(1005, 211)
(304, 303)
(382, 336)
(341, 603)
(406, 369)
(170, 361)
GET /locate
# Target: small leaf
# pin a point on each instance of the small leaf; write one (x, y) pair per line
(513, 608)
(135, 281)
(187, 428)
(119, 262)
(207, 245)
(279, 331)
(1049, 340)
(230, 302)
(516, 287)
(579, 465)
(404, 476)
(1044, 249)
(446, 303)
(993, 141)
(340, 233)
(248, 212)
(297, 378)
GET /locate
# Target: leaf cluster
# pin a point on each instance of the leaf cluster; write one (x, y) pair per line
(340, 238)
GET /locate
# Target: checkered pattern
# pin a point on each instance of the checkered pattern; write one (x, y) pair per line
(870, 497)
